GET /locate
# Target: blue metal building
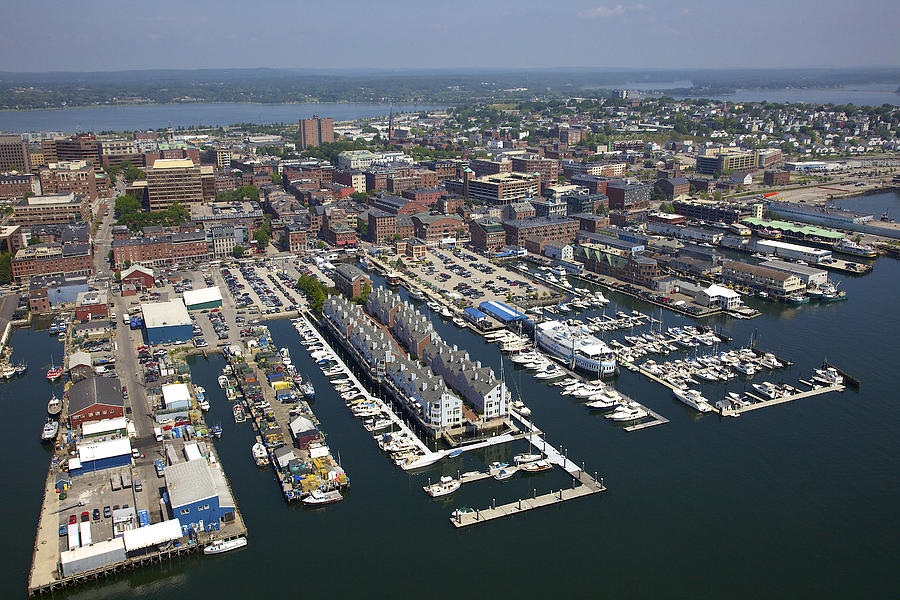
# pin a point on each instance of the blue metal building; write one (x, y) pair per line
(502, 312)
(198, 496)
(167, 322)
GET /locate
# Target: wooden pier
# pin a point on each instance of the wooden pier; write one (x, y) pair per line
(523, 505)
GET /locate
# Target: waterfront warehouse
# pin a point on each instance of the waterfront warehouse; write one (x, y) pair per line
(167, 322)
(202, 299)
(198, 496)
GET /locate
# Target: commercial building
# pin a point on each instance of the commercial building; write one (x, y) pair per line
(776, 178)
(444, 229)
(561, 229)
(595, 184)
(316, 131)
(137, 277)
(167, 322)
(98, 456)
(549, 207)
(547, 168)
(628, 196)
(73, 176)
(382, 226)
(820, 216)
(793, 251)
(504, 188)
(52, 210)
(722, 297)
(95, 398)
(199, 497)
(186, 247)
(809, 275)
(91, 305)
(14, 186)
(626, 266)
(203, 298)
(772, 281)
(487, 234)
(53, 259)
(81, 147)
(49, 291)
(674, 186)
(350, 281)
(173, 180)
(715, 161)
(712, 211)
(483, 167)
(224, 237)
(14, 154)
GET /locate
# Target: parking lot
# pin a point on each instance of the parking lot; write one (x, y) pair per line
(466, 275)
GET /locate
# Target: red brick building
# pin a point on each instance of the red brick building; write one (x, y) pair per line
(487, 234)
(95, 398)
(69, 176)
(91, 305)
(559, 229)
(382, 226)
(424, 196)
(138, 276)
(53, 259)
(434, 228)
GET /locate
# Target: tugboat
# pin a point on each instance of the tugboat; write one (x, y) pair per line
(54, 407)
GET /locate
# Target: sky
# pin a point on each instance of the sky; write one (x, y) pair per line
(102, 35)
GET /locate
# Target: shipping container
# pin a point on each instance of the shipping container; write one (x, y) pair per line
(115, 483)
(126, 479)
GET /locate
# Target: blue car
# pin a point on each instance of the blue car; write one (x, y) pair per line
(63, 530)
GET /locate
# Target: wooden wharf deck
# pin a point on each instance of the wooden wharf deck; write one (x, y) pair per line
(524, 504)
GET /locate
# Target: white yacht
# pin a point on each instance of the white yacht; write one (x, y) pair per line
(828, 376)
(694, 399)
(767, 389)
(223, 381)
(220, 546)
(447, 485)
(577, 347)
(627, 412)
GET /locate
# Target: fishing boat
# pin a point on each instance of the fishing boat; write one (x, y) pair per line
(54, 407)
(392, 278)
(216, 430)
(48, 433)
(318, 497)
(536, 466)
(260, 455)
(770, 234)
(239, 416)
(54, 372)
(446, 486)
(220, 546)
(308, 391)
(21, 368)
(9, 372)
(851, 248)
(223, 381)
(203, 404)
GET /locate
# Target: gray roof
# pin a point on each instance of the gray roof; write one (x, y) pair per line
(189, 482)
(95, 390)
(349, 272)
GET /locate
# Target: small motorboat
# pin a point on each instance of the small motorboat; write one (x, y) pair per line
(239, 416)
(447, 485)
(223, 381)
(455, 453)
(21, 368)
(216, 430)
(505, 473)
(463, 510)
(536, 466)
(220, 546)
(521, 459)
(317, 497)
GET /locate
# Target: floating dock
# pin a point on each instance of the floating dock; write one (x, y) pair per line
(763, 402)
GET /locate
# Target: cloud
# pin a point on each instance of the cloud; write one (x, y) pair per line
(603, 12)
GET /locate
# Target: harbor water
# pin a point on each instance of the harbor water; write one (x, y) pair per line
(795, 500)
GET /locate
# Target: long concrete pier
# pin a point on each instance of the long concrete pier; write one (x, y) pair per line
(763, 403)
(523, 505)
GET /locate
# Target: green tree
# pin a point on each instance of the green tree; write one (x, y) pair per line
(237, 251)
(5, 267)
(127, 204)
(34, 240)
(276, 178)
(132, 173)
(246, 192)
(110, 256)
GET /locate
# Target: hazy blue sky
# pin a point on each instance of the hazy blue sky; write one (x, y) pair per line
(106, 35)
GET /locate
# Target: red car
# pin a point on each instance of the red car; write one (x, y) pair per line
(85, 516)
(72, 519)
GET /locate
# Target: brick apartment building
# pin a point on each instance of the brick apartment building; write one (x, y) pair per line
(560, 229)
(52, 210)
(53, 259)
(316, 131)
(76, 176)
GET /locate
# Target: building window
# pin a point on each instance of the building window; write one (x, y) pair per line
(185, 511)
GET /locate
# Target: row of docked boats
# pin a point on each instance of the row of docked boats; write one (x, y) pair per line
(501, 471)
(404, 449)
(601, 397)
(712, 368)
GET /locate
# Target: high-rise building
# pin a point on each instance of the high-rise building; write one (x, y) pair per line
(76, 176)
(172, 180)
(84, 147)
(316, 131)
(14, 154)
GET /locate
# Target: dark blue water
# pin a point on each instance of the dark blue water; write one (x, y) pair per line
(797, 500)
(134, 118)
